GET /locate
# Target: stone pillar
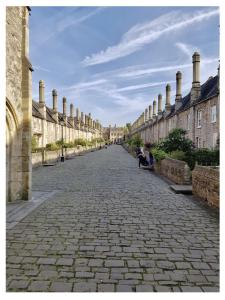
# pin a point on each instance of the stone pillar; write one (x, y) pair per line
(178, 98)
(159, 104)
(196, 86)
(154, 108)
(168, 105)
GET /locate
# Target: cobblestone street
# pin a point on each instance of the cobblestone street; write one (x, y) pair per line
(112, 227)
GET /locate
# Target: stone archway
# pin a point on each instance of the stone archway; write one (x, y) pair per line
(12, 132)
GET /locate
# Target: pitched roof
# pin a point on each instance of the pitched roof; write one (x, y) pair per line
(35, 110)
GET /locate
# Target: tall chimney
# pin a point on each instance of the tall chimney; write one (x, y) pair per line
(41, 92)
(159, 104)
(196, 87)
(64, 106)
(42, 107)
(178, 98)
(71, 111)
(168, 105)
(154, 108)
(146, 115)
(55, 105)
(82, 117)
(55, 102)
(150, 112)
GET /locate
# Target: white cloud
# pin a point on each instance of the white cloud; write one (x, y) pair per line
(142, 86)
(142, 34)
(187, 49)
(38, 68)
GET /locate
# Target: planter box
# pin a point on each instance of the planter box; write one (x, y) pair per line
(205, 184)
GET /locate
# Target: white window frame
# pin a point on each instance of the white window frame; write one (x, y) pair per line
(199, 118)
(213, 114)
(188, 121)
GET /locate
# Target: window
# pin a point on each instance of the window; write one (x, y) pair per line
(199, 119)
(188, 121)
(198, 142)
(213, 114)
(214, 144)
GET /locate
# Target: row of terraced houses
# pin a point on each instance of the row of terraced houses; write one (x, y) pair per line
(197, 112)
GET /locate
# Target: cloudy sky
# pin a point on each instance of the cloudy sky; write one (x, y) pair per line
(114, 61)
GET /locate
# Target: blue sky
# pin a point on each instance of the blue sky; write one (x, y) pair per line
(114, 61)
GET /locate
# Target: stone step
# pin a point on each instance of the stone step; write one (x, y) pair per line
(181, 189)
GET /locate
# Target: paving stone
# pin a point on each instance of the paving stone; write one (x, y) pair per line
(114, 263)
(19, 284)
(144, 288)
(133, 276)
(85, 287)
(14, 259)
(39, 286)
(64, 262)
(183, 265)
(95, 263)
(133, 264)
(200, 266)
(84, 275)
(193, 289)
(159, 288)
(48, 274)
(124, 288)
(166, 265)
(61, 287)
(105, 287)
(46, 261)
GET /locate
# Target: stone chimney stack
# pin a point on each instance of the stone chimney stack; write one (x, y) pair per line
(154, 108)
(41, 92)
(178, 98)
(218, 82)
(146, 115)
(64, 106)
(42, 107)
(82, 117)
(160, 104)
(150, 112)
(71, 111)
(55, 105)
(196, 86)
(168, 105)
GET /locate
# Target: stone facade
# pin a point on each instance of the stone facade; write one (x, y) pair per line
(18, 105)
(197, 112)
(114, 134)
(205, 184)
(49, 125)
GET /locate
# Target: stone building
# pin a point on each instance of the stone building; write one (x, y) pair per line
(18, 105)
(49, 125)
(114, 134)
(197, 112)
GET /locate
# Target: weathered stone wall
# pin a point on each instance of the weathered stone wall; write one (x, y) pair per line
(175, 170)
(40, 158)
(18, 105)
(205, 184)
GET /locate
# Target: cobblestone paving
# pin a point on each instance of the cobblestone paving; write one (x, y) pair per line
(112, 227)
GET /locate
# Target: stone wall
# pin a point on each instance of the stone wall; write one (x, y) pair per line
(40, 158)
(175, 170)
(205, 184)
(18, 105)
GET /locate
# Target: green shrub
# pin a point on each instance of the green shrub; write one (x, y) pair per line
(178, 154)
(159, 154)
(59, 142)
(52, 146)
(68, 145)
(80, 142)
(34, 144)
(207, 157)
(176, 140)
